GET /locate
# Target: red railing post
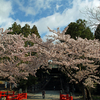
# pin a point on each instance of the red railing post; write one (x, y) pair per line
(60, 96)
(25, 95)
(7, 97)
(63, 97)
(67, 96)
(0, 94)
(18, 96)
(71, 98)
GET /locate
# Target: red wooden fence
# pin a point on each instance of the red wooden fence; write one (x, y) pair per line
(65, 97)
(11, 96)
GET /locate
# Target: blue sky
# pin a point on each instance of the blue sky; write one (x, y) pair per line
(43, 13)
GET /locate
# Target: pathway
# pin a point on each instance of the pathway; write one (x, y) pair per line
(50, 95)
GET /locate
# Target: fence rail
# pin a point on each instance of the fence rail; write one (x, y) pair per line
(10, 95)
(65, 97)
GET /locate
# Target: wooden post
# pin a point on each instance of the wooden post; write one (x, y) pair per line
(71, 98)
(7, 97)
(0, 94)
(60, 96)
(18, 97)
(67, 96)
(25, 95)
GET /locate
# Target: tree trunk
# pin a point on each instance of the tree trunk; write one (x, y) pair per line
(84, 93)
(26, 89)
(87, 94)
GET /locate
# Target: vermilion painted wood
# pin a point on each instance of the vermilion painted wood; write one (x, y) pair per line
(12, 96)
(65, 97)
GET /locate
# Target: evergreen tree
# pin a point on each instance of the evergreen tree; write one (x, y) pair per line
(97, 32)
(35, 31)
(26, 30)
(16, 28)
(79, 29)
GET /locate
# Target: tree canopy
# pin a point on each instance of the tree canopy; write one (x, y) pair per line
(79, 29)
(35, 31)
(69, 55)
(97, 32)
(25, 30)
(14, 54)
(16, 29)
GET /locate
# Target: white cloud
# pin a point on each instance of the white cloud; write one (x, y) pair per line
(43, 4)
(34, 7)
(27, 9)
(5, 8)
(58, 6)
(5, 11)
(68, 15)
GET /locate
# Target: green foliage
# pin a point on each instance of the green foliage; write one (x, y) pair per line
(33, 53)
(16, 58)
(4, 59)
(31, 80)
(97, 32)
(26, 30)
(16, 28)
(79, 29)
(29, 43)
(35, 31)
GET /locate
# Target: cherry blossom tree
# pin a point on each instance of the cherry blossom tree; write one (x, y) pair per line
(77, 58)
(17, 61)
(8, 65)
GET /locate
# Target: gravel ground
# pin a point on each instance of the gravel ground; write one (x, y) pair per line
(50, 95)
